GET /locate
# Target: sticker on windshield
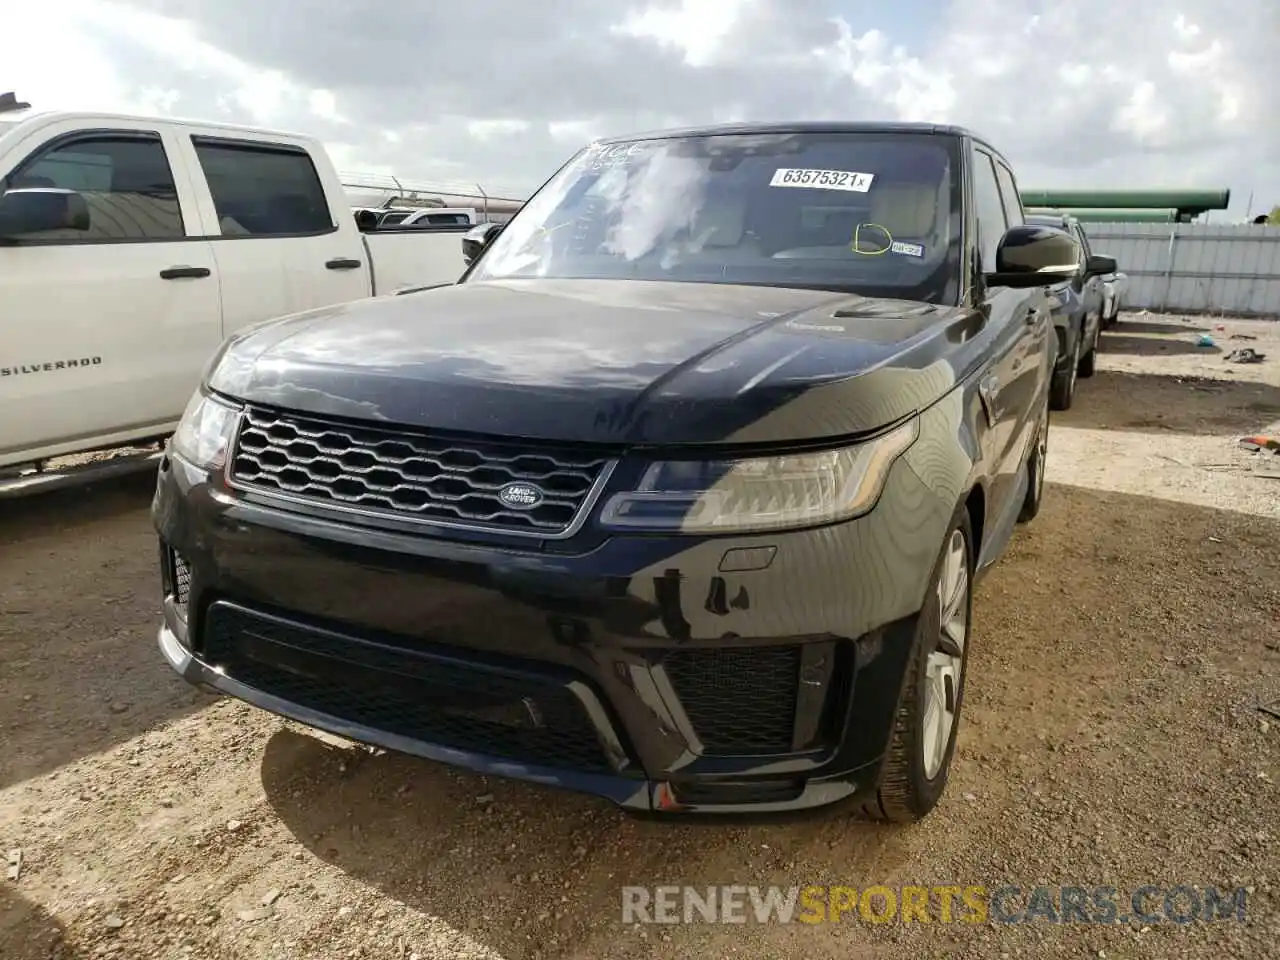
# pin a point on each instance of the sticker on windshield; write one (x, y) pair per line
(907, 249)
(822, 179)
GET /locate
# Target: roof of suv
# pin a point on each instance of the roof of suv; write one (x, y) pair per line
(803, 126)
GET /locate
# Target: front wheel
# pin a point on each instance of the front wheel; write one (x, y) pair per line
(1062, 389)
(1035, 471)
(1089, 362)
(923, 739)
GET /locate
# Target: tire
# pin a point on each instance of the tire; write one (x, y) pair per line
(1062, 389)
(917, 762)
(1089, 362)
(1036, 471)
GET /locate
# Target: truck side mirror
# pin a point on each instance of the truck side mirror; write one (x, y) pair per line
(1032, 256)
(41, 209)
(1099, 265)
(475, 240)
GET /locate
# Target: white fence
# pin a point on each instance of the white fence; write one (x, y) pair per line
(1195, 267)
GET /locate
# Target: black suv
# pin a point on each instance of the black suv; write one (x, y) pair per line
(1077, 310)
(677, 497)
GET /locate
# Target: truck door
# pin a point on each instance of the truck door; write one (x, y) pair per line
(1090, 287)
(1035, 321)
(104, 330)
(279, 248)
(1009, 386)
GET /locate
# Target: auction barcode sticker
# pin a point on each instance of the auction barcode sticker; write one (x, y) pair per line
(822, 179)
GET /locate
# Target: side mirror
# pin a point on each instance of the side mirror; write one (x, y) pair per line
(1031, 256)
(41, 209)
(475, 240)
(1099, 266)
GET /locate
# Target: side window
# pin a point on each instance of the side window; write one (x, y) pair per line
(1009, 191)
(1082, 240)
(440, 219)
(990, 209)
(261, 190)
(125, 180)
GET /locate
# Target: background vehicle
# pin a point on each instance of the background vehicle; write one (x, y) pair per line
(1077, 310)
(683, 511)
(379, 218)
(1115, 285)
(131, 247)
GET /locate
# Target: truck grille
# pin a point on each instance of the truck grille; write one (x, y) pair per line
(376, 471)
(427, 696)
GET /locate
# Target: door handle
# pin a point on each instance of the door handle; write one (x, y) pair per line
(342, 263)
(179, 273)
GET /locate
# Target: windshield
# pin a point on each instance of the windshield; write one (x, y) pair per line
(873, 213)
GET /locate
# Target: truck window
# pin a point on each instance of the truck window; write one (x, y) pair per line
(126, 182)
(262, 190)
(990, 209)
(442, 219)
(1009, 191)
(1082, 240)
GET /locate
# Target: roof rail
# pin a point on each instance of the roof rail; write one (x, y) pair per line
(9, 102)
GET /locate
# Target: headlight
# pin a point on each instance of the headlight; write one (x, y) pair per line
(769, 493)
(204, 431)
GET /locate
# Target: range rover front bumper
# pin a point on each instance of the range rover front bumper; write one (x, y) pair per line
(754, 674)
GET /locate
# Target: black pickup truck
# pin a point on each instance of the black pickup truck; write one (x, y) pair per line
(677, 497)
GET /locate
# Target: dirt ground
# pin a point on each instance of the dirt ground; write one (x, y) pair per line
(1112, 736)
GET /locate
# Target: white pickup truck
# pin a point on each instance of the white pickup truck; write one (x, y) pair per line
(131, 247)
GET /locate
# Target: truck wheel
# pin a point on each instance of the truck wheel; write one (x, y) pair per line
(1089, 362)
(923, 740)
(1035, 471)
(1062, 389)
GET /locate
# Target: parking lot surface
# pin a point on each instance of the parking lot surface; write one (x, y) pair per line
(1112, 737)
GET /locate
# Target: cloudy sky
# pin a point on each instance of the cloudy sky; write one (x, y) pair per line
(1109, 93)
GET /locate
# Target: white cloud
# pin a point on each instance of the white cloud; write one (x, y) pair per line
(698, 28)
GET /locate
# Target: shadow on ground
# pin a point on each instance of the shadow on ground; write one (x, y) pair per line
(1142, 326)
(1152, 346)
(1071, 644)
(27, 931)
(1148, 403)
(79, 608)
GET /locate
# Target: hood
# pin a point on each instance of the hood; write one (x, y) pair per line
(607, 361)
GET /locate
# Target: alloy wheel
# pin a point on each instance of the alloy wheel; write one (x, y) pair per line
(945, 665)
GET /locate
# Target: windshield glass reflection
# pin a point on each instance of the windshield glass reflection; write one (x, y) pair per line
(867, 213)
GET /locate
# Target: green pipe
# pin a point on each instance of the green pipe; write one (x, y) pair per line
(1116, 214)
(1187, 201)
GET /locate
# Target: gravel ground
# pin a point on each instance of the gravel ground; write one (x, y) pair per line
(1111, 738)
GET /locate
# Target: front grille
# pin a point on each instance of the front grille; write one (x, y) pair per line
(374, 470)
(739, 699)
(430, 697)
